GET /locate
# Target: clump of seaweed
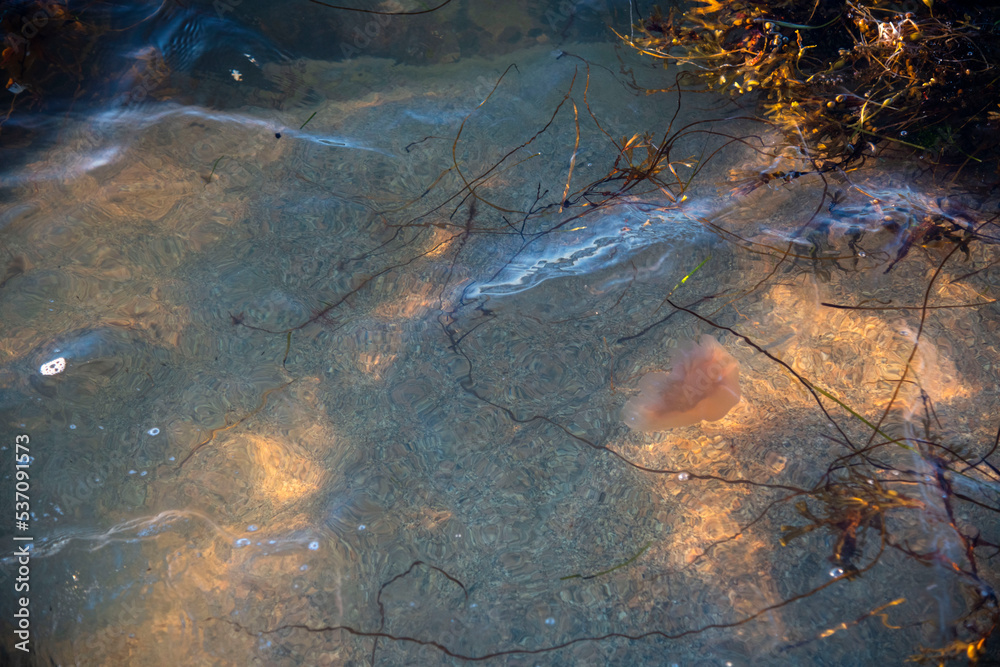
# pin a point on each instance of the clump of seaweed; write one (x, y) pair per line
(845, 78)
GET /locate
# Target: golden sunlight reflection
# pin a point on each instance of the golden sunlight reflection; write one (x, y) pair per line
(408, 306)
(415, 300)
(440, 240)
(860, 355)
(282, 472)
(204, 573)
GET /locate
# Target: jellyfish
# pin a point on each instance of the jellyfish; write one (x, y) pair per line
(703, 384)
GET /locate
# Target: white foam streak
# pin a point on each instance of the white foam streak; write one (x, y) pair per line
(143, 119)
(137, 530)
(606, 241)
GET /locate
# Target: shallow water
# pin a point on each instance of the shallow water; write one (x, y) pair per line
(351, 394)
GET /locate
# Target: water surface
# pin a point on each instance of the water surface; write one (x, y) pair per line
(344, 361)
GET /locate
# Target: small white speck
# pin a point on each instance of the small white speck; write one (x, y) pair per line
(550, 621)
(473, 605)
(153, 431)
(72, 426)
(143, 473)
(101, 427)
(131, 472)
(362, 526)
(313, 546)
(242, 542)
(171, 458)
(683, 476)
(252, 528)
(304, 568)
(836, 572)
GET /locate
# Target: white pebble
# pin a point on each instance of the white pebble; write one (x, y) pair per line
(53, 367)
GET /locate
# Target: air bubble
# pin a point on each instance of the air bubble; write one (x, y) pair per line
(242, 542)
(153, 431)
(550, 621)
(683, 476)
(836, 572)
(313, 546)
